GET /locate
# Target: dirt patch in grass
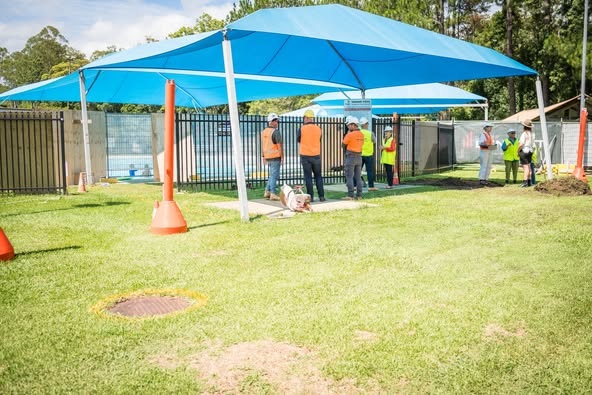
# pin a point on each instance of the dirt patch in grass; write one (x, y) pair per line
(455, 183)
(564, 186)
(497, 332)
(365, 336)
(265, 367)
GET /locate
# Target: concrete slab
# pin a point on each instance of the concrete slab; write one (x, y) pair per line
(380, 186)
(274, 209)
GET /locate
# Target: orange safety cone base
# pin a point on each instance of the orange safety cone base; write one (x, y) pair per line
(396, 178)
(580, 174)
(6, 249)
(168, 219)
(81, 187)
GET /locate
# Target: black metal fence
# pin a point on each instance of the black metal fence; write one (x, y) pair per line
(32, 152)
(205, 158)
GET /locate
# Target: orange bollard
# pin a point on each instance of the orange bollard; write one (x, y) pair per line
(81, 187)
(579, 169)
(6, 249)
(395, 176)
(166, 216)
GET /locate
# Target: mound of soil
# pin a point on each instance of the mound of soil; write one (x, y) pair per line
(455, 183)
(564, 186)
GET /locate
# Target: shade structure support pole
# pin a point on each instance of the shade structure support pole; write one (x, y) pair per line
(85, 134)
(235, 130)
(167, 218)
(539, 90)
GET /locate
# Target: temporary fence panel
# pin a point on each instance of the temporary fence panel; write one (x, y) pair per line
(32, 152)
(466, 139)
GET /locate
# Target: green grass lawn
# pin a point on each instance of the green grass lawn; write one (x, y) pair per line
(428, 291)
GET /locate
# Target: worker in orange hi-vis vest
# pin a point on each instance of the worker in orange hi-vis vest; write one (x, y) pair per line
(353, 143)
(273, 154)
(486, 147)
(309, 138)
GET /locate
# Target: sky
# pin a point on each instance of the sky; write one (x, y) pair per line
(91, 25)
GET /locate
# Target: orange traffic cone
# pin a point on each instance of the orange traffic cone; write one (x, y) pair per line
(395, 176)
(81, 186)
(6, 249)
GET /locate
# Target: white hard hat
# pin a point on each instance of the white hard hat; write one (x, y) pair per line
(272, 116)
(363, 121)
(388, 129)
(349, 120)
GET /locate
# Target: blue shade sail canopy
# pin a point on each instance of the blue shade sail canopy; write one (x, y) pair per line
(311, 43)
(146, 87)
(408, 99)
(352, 47)
(280, 52)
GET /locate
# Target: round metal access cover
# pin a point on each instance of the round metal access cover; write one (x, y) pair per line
(149, 305)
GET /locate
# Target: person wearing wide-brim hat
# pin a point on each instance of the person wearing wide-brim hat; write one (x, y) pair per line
(511, 158)
(525, 150)
(486, 148)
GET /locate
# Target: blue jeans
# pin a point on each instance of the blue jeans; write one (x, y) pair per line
(368, 161)
(312, 165)
(353, 171)
(274, 175)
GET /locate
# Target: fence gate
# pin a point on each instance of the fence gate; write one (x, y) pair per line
(32, 152)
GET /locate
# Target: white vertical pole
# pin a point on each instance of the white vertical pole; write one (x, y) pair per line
(235, 130)
(85, 134)
(539, 90)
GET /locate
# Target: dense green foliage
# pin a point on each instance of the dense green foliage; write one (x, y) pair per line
(545, 35)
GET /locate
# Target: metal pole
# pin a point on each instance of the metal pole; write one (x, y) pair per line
(539, 91)
(85, 134)
(241, 183)
(584, 44)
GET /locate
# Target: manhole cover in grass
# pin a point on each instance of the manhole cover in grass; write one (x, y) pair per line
(142, 306)
(149, 303)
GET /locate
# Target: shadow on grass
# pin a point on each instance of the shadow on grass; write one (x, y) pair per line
(74, 207)
(17, 254)
(206, 225)
(93, 205)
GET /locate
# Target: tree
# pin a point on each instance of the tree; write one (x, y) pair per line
(42, 51)
(204, 23)
(74, 61)
(100, 53)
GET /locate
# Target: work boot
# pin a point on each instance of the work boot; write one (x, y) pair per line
(274, 197)
(266, 195)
